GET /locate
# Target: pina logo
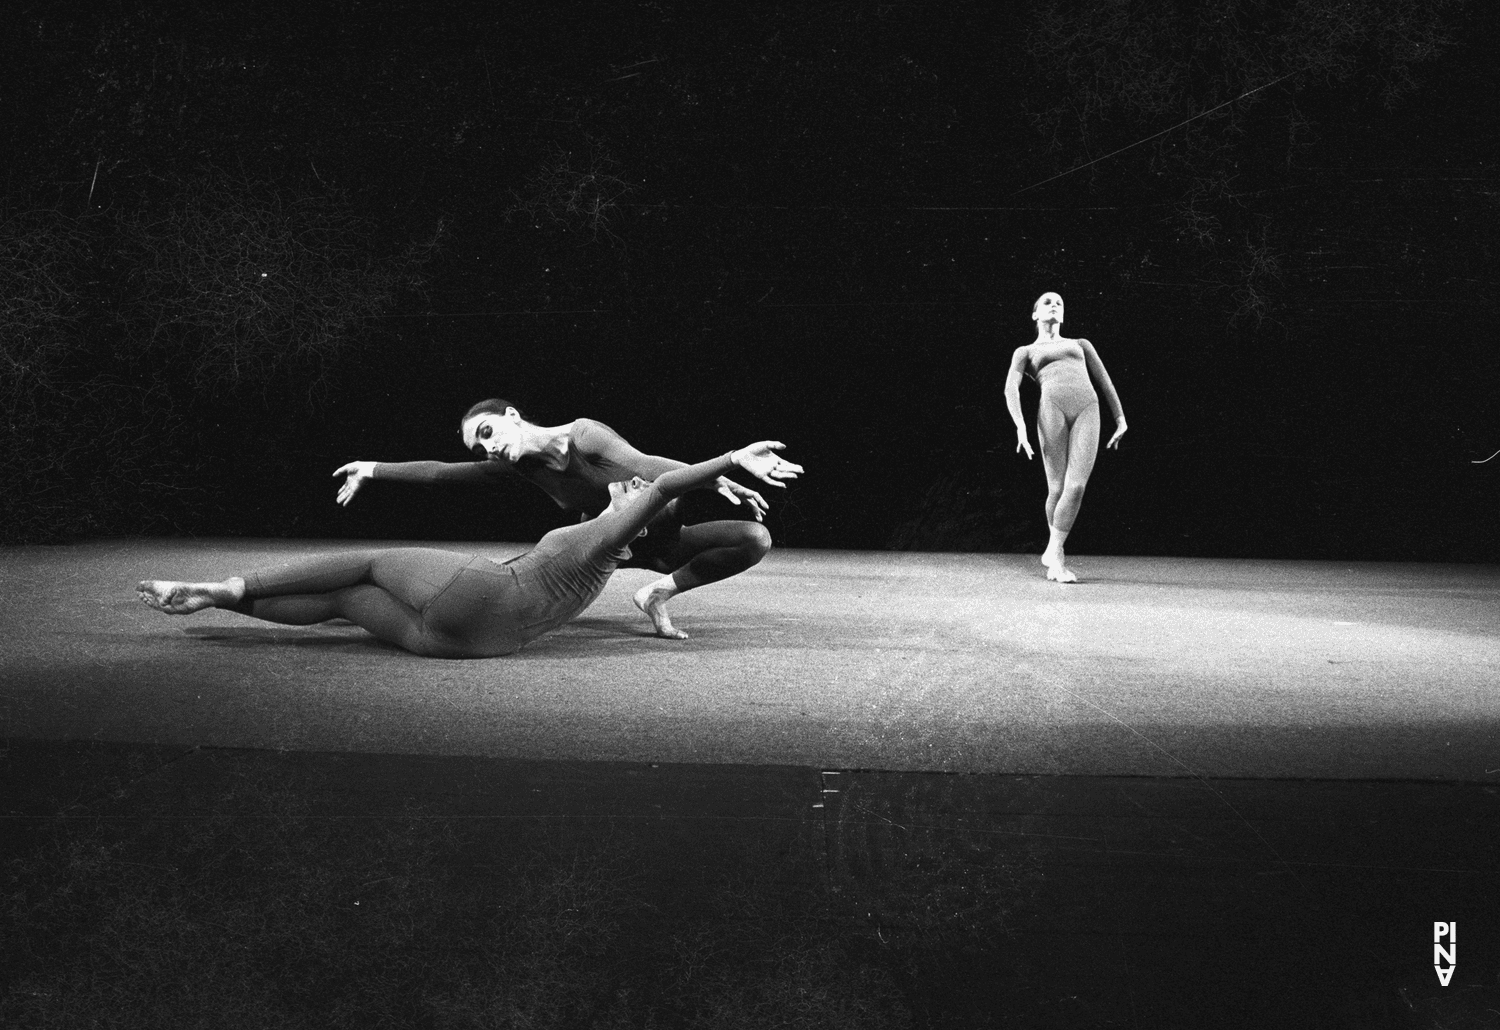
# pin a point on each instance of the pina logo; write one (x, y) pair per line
(1442, 953)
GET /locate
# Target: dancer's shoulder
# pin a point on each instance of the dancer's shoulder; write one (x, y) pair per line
(591, 426)
(592, 437)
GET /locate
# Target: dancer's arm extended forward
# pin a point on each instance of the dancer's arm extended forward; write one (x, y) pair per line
(423, 473)
(1096, 369)
(612, 449)
(759, 459)
(1013, 397)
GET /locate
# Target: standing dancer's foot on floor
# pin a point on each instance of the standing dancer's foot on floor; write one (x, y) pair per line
(174, 598)
(652, 599)
(1055, 560)
(1060, 573)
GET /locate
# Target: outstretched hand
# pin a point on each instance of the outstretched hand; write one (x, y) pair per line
(1119, 432)
(738, 494)
(760, 460)
(1023, 444)
(356, 472)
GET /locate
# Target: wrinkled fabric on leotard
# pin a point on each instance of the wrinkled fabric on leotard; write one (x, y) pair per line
(492, 609)
(472, 607)
(567, 569)
(1066, 387)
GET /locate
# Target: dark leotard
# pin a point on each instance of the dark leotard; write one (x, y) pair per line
(597, 456)
(1066, 387)
(448, 605)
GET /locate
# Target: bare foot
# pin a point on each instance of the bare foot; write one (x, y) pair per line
(1052, 557)
(652, 599)
(174, 598)
(1061, 574)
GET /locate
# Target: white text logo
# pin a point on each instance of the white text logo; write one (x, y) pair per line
(1444, 953)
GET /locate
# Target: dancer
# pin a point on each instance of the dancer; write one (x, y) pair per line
(1067, 420)
(441, 604)
(573, 464)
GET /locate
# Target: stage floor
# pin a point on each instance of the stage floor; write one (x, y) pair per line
(838, 660)
(1276, 776)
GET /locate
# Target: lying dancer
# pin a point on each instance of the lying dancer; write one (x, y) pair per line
(446, 605)
(1067, 420)
(573, 464)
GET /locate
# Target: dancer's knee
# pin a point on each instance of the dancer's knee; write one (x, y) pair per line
(757, 542)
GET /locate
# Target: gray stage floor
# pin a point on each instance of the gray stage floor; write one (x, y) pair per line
(1278, 775)
(897, 661)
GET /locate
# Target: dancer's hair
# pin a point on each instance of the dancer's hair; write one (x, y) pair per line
(1039, 297)
(492, 406)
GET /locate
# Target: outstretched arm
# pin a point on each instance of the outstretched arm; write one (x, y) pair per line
(1013, 398)
(1096, 369)
(759, 459)
(423, 473)
(609, 448)
(603, 446)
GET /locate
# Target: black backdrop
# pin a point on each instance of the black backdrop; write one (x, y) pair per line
(823, 223)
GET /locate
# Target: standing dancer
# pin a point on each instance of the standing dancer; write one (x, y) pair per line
(441, 604)
(574, 465)
(1067, 420)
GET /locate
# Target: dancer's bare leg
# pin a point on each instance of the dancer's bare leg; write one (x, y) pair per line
(177, 598)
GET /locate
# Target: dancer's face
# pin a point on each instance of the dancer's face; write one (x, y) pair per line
(497, 437)
(621, 494)
(1048, 308)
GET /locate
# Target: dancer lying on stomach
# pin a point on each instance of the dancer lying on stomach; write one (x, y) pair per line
(442, 604)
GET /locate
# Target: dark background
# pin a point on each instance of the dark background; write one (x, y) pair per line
(242, 247)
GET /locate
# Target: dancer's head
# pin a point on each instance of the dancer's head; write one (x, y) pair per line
(1048, 308)
(622, 493)
(493, 428)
